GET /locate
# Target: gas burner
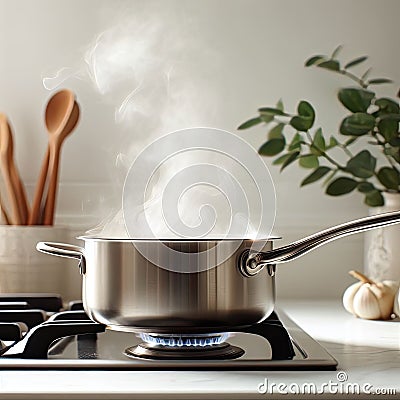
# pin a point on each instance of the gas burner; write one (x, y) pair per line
(193, 347)
(184, 341)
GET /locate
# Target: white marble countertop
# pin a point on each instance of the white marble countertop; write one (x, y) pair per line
(368, 353)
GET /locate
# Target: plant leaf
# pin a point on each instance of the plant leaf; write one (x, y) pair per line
(356, 100)
(374, 199)
(267, 118)
(272, 147)
(341, 186)
(362, 164)
(305, 109)
(355, 62)
(393, 152)
(379, 81)
(315, 175)
(389, 178)
(300, 123)
(365, 187)
(318, 144)
(251, 122)
(271, 111)
(395, 142)
(387, 106)
(332, 143)
(309, 161)
(296, 142)
(332, 65)
(314, 60)
(279, 105)
(388, 128)
(292, 157)
(336, 51)
(394, 117)
(357, 124)
(281, 159)
(276, 132)
(305, 118)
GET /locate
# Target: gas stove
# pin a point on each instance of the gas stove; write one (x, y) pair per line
(37, 332)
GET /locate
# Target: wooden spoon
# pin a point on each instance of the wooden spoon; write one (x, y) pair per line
(17, 182)
(55, 142)
(4, 213)
(58, 112)
(34, 216)
(8, 170)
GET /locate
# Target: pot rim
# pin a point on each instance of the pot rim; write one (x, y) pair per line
(202, 240)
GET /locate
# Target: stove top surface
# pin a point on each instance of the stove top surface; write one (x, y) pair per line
(108, 350)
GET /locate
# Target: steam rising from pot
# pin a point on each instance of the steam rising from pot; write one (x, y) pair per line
(196, 199)
(143, 66)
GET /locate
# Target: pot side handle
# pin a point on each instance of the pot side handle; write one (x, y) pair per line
(64, 250)
(252, 263)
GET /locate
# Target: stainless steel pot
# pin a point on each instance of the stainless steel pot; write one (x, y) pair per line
(126, 291)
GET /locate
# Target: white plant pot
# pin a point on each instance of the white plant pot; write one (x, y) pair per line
(382, 246)
(23, 269)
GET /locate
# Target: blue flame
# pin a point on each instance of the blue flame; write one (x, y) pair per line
(185, 340)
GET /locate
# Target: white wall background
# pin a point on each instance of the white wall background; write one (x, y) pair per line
(252, 54)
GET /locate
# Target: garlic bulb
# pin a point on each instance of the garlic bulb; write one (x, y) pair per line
(396, 307)
(368, 299)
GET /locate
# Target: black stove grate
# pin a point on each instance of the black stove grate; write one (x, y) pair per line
(32, 322)
(36, 334)
(47, 302)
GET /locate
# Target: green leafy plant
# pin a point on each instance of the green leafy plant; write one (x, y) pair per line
(371, 118)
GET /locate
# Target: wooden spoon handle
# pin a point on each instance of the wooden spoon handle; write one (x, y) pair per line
(16, 216)
(34, 217)
(55, 148)
(4, 213)
(20, 193)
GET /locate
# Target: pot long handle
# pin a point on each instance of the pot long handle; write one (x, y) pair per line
(64, 250)
(253, 262)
